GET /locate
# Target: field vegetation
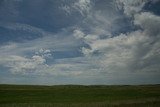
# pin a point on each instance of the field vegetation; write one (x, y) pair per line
(79, 96)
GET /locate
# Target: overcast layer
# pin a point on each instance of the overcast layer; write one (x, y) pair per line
(79, 42)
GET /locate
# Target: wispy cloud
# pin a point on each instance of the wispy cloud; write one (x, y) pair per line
(115, 41)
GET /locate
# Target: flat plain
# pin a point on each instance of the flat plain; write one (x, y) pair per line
(80, 96)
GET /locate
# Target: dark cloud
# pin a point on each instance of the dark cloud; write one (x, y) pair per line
(153, 7)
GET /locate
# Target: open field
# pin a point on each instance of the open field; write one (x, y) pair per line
(79, 96)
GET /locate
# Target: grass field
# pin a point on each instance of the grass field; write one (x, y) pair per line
(79, 96)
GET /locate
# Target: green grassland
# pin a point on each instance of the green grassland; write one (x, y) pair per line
(79, 96)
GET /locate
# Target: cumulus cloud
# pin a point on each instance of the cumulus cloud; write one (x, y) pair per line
(133, 51)
(149, 22)
(130, 52)
(31, 56)
(83, 6)
(44, 53)
(78, 34)
(105, 49)
(21, 64)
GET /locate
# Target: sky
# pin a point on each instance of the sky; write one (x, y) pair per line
(87, 42)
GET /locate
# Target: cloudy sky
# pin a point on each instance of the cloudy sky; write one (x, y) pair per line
(79, 42)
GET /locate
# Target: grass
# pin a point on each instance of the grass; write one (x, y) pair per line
(79, 96)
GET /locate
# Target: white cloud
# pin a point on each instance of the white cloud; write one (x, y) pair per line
(81, 6)
(149, 22)
(131, 7)
(21, 64)
(44, 53)
(24, 27)
(127, 54)
(73, 67)
(38, 59)
(86, 51)
(111, 55)
(54, 42)
(31, 56)
(134, 51)
(78, 34)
